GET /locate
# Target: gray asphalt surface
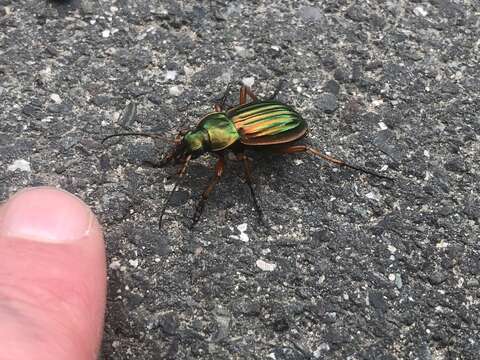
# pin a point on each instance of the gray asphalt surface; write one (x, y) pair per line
(349, 266)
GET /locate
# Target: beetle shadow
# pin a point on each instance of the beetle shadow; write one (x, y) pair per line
(230, 192)
(64, 7)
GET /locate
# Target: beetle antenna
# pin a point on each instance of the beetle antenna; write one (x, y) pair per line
(155, 136)
(182, 172)
(346, 164)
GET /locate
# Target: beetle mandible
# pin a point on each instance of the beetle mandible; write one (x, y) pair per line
(259, 125)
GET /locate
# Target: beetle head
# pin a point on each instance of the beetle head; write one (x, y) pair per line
(187, 145)
(177, 153)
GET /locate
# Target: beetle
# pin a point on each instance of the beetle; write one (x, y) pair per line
(258, 125)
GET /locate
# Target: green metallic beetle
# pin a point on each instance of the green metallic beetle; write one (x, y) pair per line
(260, 125)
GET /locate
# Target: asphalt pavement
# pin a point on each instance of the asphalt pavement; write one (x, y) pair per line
(347, 266)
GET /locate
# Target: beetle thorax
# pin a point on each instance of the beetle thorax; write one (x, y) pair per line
(196, 142)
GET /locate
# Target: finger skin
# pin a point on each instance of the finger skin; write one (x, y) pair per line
(52, 293)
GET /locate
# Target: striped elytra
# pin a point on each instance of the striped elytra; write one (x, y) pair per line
(267, 123)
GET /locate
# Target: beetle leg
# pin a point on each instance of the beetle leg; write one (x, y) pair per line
(219, 106)
(201, 204)
(243, 96)
(278, 88)
(250, 93)
(248, 180)
(303, 148)
(244, 91)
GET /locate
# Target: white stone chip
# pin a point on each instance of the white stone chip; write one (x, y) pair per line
(133, 263)
(243, 235)
(20, 164)
(265, 266)
(420, 11)
(115, 265)
(248, 81)
(170, 75)
(56, 98)
(382, 125)
(373, 196)
(392, 249)
(175, 91)
(242, 227)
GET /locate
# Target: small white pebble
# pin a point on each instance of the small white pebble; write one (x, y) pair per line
(106, 33)
(398, 281)
(170, 75)
(243, 235)
(244, 52)
(168, 187)
(56, 98)
(323, 347)
(248, 81)
(114, 265)
(242, 227)
(382, 125)
(46, 72)
(392, 249)
(420, 11)
(376, 103)
(175, 91)
(265, 266)
(391, 277)
(239, 49)
(441, 244)
(133, 263)
(20, 164)
(373, 196)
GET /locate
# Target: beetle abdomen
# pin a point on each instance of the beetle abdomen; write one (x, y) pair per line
(267, 123)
